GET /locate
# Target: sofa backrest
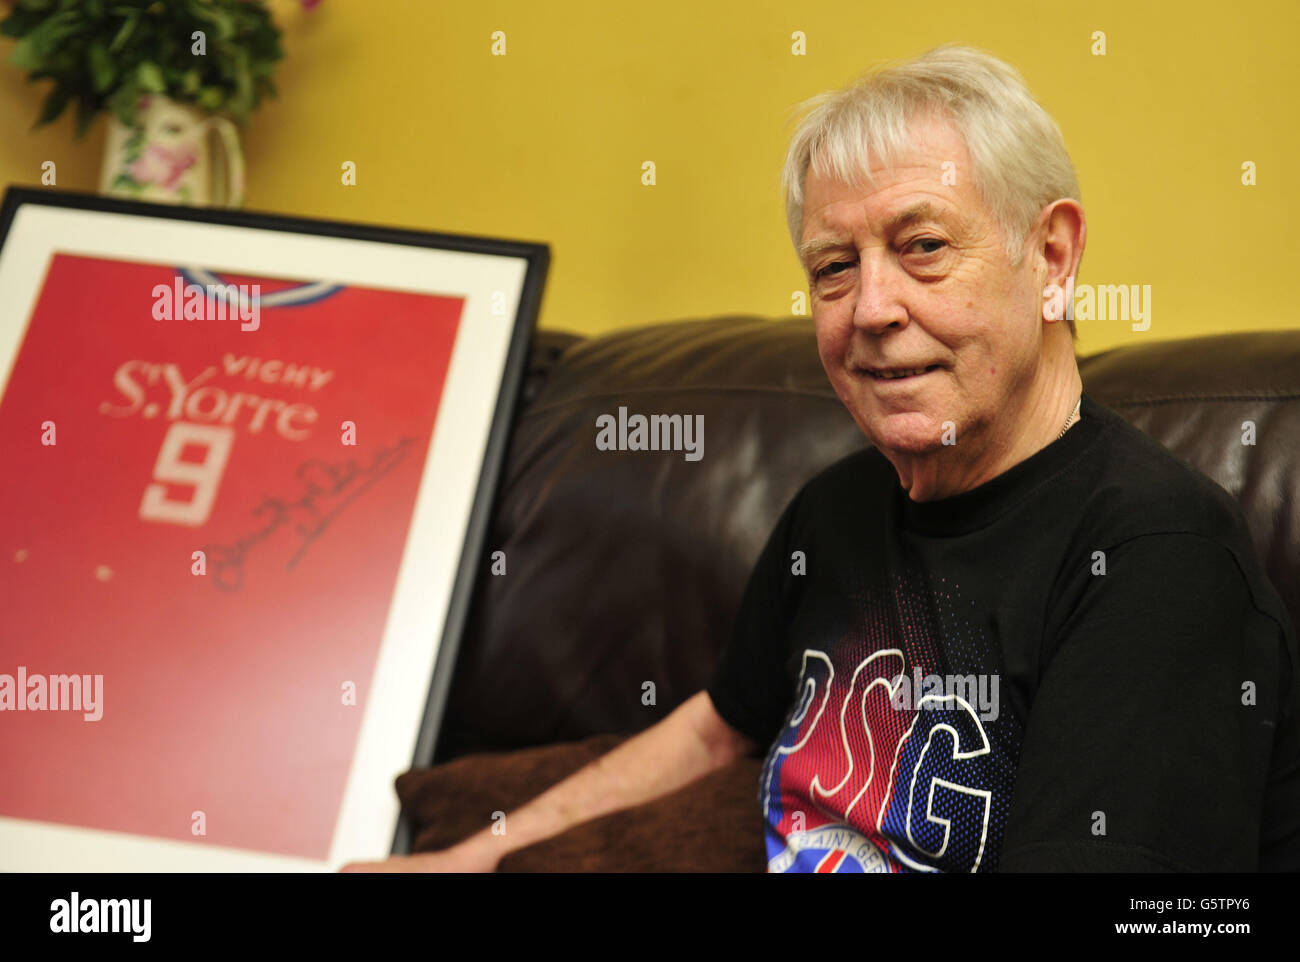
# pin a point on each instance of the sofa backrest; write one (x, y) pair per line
(626, 567)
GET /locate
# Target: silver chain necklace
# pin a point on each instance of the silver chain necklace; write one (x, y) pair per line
(1070, 418)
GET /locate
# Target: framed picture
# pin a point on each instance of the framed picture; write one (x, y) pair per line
(249, 461)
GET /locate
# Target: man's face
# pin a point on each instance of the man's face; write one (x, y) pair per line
(922, 278)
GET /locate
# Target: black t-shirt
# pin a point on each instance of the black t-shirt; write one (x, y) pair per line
(1077, 665)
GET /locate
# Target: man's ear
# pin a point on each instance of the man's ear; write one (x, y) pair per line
(1061, 232)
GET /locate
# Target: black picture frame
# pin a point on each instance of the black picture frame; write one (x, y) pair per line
(21, 204)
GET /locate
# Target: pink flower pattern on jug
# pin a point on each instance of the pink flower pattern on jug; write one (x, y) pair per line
(162, 165)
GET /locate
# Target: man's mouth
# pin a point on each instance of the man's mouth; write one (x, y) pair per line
(900, 375)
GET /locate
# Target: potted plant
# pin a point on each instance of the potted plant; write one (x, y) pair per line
(168, 73)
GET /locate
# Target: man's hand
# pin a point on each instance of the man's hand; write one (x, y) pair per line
(464, 857)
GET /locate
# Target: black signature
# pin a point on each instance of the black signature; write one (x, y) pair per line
(318, 478)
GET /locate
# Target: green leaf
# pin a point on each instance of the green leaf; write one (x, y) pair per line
(54, 103)
(222, 20)
(123, 101)
(52, 30)
(190, 82)
(21, 22)
(87, 111)
(134, 145)
(150, 78)
(211, 98)
(102, 71)
(243, 76)
(26, 55)
(124, 33)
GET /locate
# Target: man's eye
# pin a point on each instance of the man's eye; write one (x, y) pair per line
(939, 244)
(826, 270)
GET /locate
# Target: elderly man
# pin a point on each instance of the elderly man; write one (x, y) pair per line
(1015, 633)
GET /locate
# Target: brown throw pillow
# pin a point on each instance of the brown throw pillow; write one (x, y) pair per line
(711, 825)
(450, 802)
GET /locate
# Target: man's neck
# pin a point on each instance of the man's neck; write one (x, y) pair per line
(951, 469)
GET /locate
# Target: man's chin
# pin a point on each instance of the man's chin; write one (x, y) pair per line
(908, 434)
(908, 449)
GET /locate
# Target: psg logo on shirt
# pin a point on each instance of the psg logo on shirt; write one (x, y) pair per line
(831, 848)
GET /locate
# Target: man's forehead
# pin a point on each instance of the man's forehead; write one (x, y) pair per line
(935, 162)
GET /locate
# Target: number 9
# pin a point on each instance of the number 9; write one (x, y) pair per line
(205, 476)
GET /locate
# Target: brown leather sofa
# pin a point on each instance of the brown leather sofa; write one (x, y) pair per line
(625, 567)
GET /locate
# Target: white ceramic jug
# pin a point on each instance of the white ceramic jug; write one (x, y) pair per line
(174, 155)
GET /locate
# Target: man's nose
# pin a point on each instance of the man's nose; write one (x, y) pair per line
(880, 293)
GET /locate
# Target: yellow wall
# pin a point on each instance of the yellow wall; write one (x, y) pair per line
(546, 143)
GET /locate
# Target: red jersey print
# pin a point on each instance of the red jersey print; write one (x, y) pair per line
(200, 536)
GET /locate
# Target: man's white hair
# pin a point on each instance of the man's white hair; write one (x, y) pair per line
(1018, 156)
